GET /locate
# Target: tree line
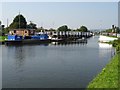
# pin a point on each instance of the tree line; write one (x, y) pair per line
(114, 29)
(20, 22)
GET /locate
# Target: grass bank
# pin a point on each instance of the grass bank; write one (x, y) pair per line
(109, 76)
(2, 38)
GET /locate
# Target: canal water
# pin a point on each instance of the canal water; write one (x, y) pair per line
(53, 66)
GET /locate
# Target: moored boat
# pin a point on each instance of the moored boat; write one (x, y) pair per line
(35, 39)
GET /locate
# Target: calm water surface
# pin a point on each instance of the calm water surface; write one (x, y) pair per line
(53, 66)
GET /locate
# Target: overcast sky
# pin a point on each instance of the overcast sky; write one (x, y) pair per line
(94, 15)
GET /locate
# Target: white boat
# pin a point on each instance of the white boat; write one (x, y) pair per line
(106, 38)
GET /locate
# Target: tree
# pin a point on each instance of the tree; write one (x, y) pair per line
(0, 26)
(40, 29)
(108, 31)
(31, 25)
(69, 29)
(2, 30)
(83, 29)
(78, 29)
(51, 29)
(63, 28)
(0, 23)
(117, 30)
(18, 22)
(6, 30)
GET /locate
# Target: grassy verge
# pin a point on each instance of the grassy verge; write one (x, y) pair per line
(110, 75)
(108, 78)
(2, 38)
(116, 44)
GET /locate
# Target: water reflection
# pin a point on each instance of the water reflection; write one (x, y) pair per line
(18, 53)
(105, 45)
(107, 48)
(77, 42)
(19, 57)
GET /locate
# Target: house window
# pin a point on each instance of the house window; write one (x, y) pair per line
(14, 31)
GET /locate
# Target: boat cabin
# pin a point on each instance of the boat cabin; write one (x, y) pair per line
(40, 37)
(14, 37)
(22, 32)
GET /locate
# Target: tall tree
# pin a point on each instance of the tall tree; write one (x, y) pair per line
(0, 28)
(83, 29)
(40, 29)
(108, 30)
(117, 30)
(63, 28)
(0, 23)
(31, 25)
(51, 29)
(18, 22)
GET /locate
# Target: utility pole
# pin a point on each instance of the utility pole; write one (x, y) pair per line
(7, 22)
(19, 19)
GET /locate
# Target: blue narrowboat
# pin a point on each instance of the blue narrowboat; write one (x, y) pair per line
(14, 38)
(40, 37)
(35, 39)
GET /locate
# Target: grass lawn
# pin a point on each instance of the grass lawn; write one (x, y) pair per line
(109, 76)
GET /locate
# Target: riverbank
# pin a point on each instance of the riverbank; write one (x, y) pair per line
(109, 76)
(2, 38)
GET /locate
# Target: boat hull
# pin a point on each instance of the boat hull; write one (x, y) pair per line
(20, 42)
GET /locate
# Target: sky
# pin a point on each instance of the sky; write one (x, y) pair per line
(93, 15)
(118, 14)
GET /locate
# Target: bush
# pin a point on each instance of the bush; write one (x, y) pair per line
(116, 43)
